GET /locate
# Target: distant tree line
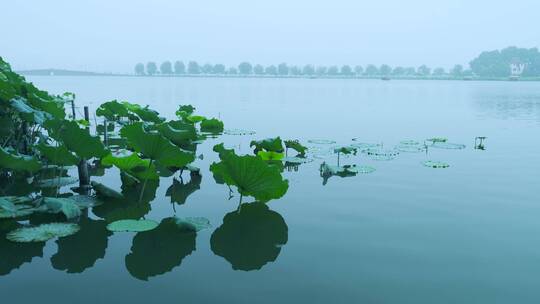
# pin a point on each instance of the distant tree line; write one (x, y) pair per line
(487, 64)
(283, 69)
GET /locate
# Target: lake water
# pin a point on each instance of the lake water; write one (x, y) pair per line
(406, 233)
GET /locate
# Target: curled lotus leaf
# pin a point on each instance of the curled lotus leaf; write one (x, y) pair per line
(42, 232)
(212, 125)
(251, 175)
(112, 110)
(133, 165)
(268, 144)
(144, 113)
(155, 146)
(130, 225)
(297, 146)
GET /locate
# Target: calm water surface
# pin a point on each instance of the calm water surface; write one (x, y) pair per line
(403, 234)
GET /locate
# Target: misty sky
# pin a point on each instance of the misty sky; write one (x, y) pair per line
(113, 35)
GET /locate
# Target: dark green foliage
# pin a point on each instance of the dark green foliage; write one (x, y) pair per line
(268, 144)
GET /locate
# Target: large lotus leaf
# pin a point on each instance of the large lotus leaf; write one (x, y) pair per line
(133, 165)
(60, 155)
(297, 146)
(177, 132)
(18, 162)
(76, 139)
(130, 225)
(112, 110)
(7, 205)
(212, 125)
(14, 255)
(250, 238)
(155, 146)
(42, 233)
(80, 251)
(179, 192)
(195, 118)
(252, 176)
(158, 251)
(28, 113)
(64, 205)
(144, 113)
(185, 110)
(268, 144)
(53, 106)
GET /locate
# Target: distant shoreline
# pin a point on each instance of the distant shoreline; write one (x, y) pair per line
(58, 72)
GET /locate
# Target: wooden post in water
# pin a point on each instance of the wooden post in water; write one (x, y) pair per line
(73, 108)
(84, 177)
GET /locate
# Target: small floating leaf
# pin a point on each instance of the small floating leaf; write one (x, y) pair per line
(132, 225)
(435, 164)
(446, 145)
(238, 132)
(381, 154)
(42, 233)
(437, 139)
(193, 223)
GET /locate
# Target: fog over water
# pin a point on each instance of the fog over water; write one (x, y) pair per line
(111, 36)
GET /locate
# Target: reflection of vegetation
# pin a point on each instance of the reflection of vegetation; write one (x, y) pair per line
(158, 251)
(250, 238)
(326, 171)
(13, 255)
(180, 191)
(80, 251)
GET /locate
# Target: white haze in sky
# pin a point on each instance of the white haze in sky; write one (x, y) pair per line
(113, 35)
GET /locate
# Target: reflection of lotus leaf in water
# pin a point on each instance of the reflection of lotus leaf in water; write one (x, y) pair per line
(80, 251)
(435, 164)
(13, 255)
(296, 160)
(250, 238)
(327, 171)
(321, 141)
(381, 154)
(158, 251)
(42, 232)
(446, 145)
(238, 132)
(179, 192)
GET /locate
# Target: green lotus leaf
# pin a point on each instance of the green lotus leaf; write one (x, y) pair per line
(144, 113)
(86, 201)
(195, 118)
(64, 205)
(193, 223)
(270, 155)
(159, 250)
(54, 107)
(212, 125)
(155, 146)
(177, 132)
(76, 139)
(29, 113)
(42, 232)
(7, 205)
(437, 139)
(132, 225)
(187, 109)
(346, 150)
(250, 238)
(252, 176)
(105, 192)
(133, 165)
(14, 207)
(18, 162)
(60, 155)
(297, 146)
(112, 110)
(269, 144)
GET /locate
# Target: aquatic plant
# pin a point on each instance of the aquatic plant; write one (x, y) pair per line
(42, 233)
(297, 146)
(130, 225)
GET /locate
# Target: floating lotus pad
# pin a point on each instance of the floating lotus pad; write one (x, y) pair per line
(321, 141)
(446, 145)
(409, 143)
(238, 132)
(193, 223)
(365, 146)
(132, 225)
(42, 233)
(435, 164)
(437, 139)
(410, 148)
